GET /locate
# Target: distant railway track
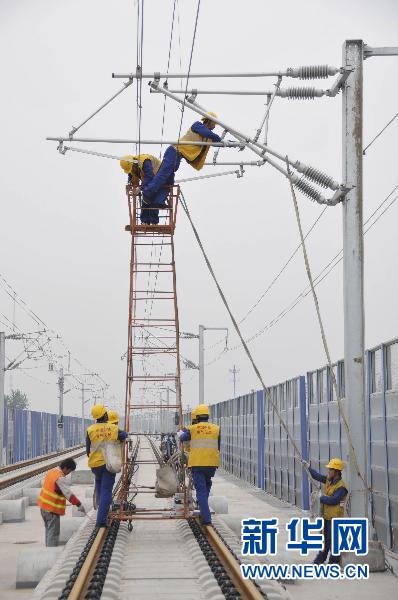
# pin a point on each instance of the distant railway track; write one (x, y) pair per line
(11, 474)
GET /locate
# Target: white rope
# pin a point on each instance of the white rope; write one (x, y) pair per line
(323, 334)
(267, 391)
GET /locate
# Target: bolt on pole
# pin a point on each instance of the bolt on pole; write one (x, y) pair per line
(354, 316)
(2, 374)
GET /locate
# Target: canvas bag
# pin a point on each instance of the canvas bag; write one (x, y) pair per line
(166, 482)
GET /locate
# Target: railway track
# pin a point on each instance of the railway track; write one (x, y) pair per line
(87, 578)
(12, 474)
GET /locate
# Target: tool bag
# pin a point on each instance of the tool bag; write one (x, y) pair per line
(112, 455)
(166, 482)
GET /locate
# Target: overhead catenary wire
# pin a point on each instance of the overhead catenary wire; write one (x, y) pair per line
(167, 70)
(380, 133)
(322, 274)
(190, 62)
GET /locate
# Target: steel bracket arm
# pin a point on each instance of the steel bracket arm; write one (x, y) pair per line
(260, 149)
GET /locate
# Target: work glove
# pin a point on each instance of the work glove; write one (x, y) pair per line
(81, 509)
(305, 463)
(179, 433)
(320, 495)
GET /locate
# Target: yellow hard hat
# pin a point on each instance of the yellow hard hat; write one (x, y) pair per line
(194, 414)
(213, 114)
(113, 417)
(127, 163)
(202, 409)
(98, 411)
(335, 463)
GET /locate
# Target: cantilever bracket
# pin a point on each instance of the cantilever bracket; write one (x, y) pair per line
(339, 83)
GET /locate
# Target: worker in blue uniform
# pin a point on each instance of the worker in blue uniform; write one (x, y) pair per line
(204, 457)
(194, 154)
(332, 501)
(99, 433)
(141, 169)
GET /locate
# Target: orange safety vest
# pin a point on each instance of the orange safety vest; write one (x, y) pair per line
(203, 450)
(49, 499)
(195, 155)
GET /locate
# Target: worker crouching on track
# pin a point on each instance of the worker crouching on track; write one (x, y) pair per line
(204, 457)
(52, 499)
(195, 155)
(97, 435)
(141, 169)
(332, 504)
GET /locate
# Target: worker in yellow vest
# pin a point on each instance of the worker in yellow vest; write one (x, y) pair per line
(204, 457)
(332, 503)
(113, 417)
(97, 434)
(141, 169)
(194, 154)
(52, 500)
(193, 422)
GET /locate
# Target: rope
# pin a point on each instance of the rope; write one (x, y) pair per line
(267, 391)
(323, 335)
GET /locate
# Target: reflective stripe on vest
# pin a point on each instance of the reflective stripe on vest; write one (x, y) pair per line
(195, 154)
(49, 499)
(99, 433)
(204, 445)
(336, 510)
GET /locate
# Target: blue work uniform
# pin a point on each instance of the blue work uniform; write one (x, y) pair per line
(104, 481)
(202, 479)
(171, 162)
(150, 217)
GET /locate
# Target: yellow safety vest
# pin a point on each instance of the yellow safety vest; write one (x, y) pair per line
(337, 510)
(195, 154)
(99, 433)
(50, 499)
(203, 450)
(141, 158)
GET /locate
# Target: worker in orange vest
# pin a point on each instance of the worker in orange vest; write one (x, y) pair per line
(52, 500)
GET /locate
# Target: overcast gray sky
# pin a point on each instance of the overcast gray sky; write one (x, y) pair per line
(63, 243)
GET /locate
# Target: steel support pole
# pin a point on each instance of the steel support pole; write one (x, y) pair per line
(83, 436)
(201, 365)
(354, 318)
(2, 374)
(61, 381)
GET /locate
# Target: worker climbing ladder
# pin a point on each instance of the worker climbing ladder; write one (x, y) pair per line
(153, 354)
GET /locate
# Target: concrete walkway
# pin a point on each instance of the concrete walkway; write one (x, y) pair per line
(29, 534)
(245, 501)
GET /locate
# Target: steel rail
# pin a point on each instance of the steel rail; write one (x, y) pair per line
(16, 478)
(245, 587)
(83, 580)
(25, 463)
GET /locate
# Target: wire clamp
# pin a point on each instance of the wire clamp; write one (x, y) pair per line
(61, 148)
(192, 97)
